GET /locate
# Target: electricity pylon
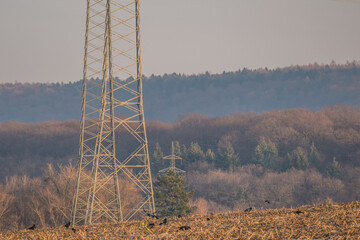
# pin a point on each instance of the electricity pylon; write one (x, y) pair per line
(113, 143)
(172, 157)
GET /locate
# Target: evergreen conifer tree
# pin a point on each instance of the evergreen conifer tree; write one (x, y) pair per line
(313, 155)
(158, 154)
(177, 148)
(172, 195)
(183, 152)
(210, 156)
(158, 161)
(266, 153)
(194, 153)
(227, 158)
(286, 164)
(300, 159)
(334, 170)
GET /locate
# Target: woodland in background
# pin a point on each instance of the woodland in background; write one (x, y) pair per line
(166, 97)
(296, 138)
(289, 157)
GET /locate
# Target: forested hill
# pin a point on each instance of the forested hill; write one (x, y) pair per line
(168, 96)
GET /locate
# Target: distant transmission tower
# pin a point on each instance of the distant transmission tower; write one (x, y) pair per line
(172, 157)
(113, 143)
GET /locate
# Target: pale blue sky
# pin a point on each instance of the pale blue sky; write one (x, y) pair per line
(42, 40)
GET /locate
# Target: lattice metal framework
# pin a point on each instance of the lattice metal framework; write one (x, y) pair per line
(173, 158)
(113, 143)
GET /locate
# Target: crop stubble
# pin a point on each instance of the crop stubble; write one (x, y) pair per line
(325, 221)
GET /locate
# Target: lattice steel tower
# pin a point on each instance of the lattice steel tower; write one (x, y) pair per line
(172, 157)
(113, 143)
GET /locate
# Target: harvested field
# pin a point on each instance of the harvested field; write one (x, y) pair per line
(327, 221)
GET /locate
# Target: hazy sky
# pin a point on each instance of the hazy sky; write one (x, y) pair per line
(42, 40)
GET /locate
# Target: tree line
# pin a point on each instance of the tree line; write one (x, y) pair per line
(165, 97)
(279, 140)
(265, 155)
(289, 157)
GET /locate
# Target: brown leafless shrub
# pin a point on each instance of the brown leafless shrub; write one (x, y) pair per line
(201, 205)
(47, 201)
(249, 187)
(5, 202)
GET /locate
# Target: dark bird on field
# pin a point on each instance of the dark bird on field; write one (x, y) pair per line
(74, 230)
(298, 212)
(248, 209)
(151, 225)
(179, 216)
(67, 225)
(32, 227)
(184, 228)
(267, 201)
(208, 219)
(164, 222)
(152, 216)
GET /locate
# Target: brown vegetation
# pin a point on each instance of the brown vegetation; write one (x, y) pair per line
(330, 221)
(26, 148)
(46, 201)
(314, 159)
(219, 191)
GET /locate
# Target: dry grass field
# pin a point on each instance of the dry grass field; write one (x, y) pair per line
(328, 221)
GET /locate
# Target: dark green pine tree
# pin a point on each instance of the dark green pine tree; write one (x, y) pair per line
(313, 155)
(194, 153)
(210, 156)
(177, 148)
(335, 170)
(158, 162)
(266, 153)
(227, 158)
(158, 154)
(172, 196)
(300, 159)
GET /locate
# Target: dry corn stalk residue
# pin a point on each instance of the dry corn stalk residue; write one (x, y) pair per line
(327, 221)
